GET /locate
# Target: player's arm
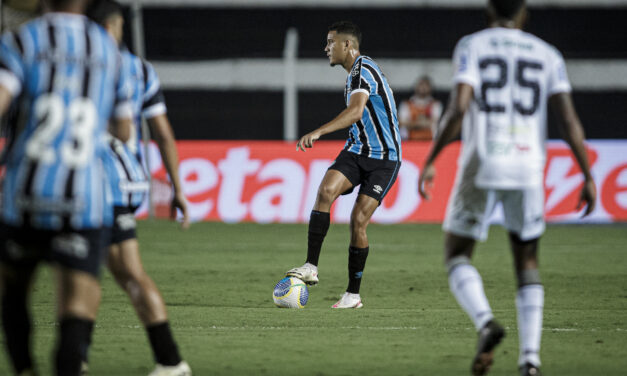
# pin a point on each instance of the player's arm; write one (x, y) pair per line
(121, 128)
(572, 131)
(161, 131)
(345, 119)
(450, 126)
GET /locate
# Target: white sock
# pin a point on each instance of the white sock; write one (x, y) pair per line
(465, 283)
(529, 303)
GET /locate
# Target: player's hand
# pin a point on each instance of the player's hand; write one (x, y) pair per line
(307, 141)
(425, 181)
(588, 197)
(180, 202)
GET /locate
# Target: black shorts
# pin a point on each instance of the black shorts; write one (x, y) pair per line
(375, 176)
(124, 224)
(25, 246)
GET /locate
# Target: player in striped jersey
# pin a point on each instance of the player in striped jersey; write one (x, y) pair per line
(371, 157)
(505, 80)
(128, 179)
(65, 70)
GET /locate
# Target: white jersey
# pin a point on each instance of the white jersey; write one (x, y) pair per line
(513, 73)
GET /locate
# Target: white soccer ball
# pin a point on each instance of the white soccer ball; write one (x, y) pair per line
(290, 292)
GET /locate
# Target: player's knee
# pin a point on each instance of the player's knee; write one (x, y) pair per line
(326, 194)
(126, 276)
(453, 262)
(528, 277)
(359, 221)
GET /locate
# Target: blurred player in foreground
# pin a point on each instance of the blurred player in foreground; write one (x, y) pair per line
(65, 70)
(129, 185)
(371, 157)
(504, 79)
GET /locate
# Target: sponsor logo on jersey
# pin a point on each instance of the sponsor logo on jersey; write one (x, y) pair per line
(378, 189)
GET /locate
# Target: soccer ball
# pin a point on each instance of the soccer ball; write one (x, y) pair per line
(290, 292)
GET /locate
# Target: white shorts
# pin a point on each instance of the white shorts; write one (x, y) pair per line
(469, 210)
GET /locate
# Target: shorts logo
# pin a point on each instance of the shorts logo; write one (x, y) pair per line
(377, 189)
(73, 245)
(126, 221)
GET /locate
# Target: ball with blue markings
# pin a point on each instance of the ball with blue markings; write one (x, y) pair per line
(290, 292)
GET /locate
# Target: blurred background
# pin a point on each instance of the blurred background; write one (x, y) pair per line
(244, 70)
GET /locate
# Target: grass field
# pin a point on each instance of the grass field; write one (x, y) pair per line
(217, 280)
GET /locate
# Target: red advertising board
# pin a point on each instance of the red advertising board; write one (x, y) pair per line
(269, 181)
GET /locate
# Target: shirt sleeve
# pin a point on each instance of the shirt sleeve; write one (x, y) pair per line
(154, 102)
(123, 108)
(465, 64)
(359, 82)
(12, 67)
(558, 78)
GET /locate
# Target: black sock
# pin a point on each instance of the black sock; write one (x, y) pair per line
(356, 263)
(163, 346)
(17, 328)
(87, 343)
(318, 227)
(73, 338)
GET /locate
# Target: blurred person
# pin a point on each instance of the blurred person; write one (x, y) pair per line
(129, 185)
(65, 72)
(504, 80)
(418, 116)
(371, 157)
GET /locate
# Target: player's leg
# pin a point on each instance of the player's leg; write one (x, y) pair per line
(524, 218)
(76, 257)
(363, 210)
(125, 264)
(18, 262)
(529, 302)
(332, 186)
(78, 301)
(16, 321)
(378, 176)
(336, 181)
(466, 222)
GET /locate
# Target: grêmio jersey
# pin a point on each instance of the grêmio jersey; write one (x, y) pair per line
(512, 73)
(146, 96)
(376, 134)
(65, 70)
(129, 183)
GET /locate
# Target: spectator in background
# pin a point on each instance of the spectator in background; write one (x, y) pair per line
(418, 116)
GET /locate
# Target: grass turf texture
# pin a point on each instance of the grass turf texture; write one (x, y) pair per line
(217, 280)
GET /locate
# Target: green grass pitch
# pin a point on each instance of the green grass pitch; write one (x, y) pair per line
(217, 280)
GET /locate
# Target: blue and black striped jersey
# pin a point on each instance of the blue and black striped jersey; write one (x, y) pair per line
(66, 71)
(146, 95)
(129, 182)
(376, 135)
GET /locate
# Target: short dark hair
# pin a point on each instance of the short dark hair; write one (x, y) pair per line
(60, 4)
(100, 10)
(507, 8)
(346, 27)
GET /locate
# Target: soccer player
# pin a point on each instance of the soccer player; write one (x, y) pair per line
(371, 157)
(129, 184)
(504, 79)
(65, 72)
